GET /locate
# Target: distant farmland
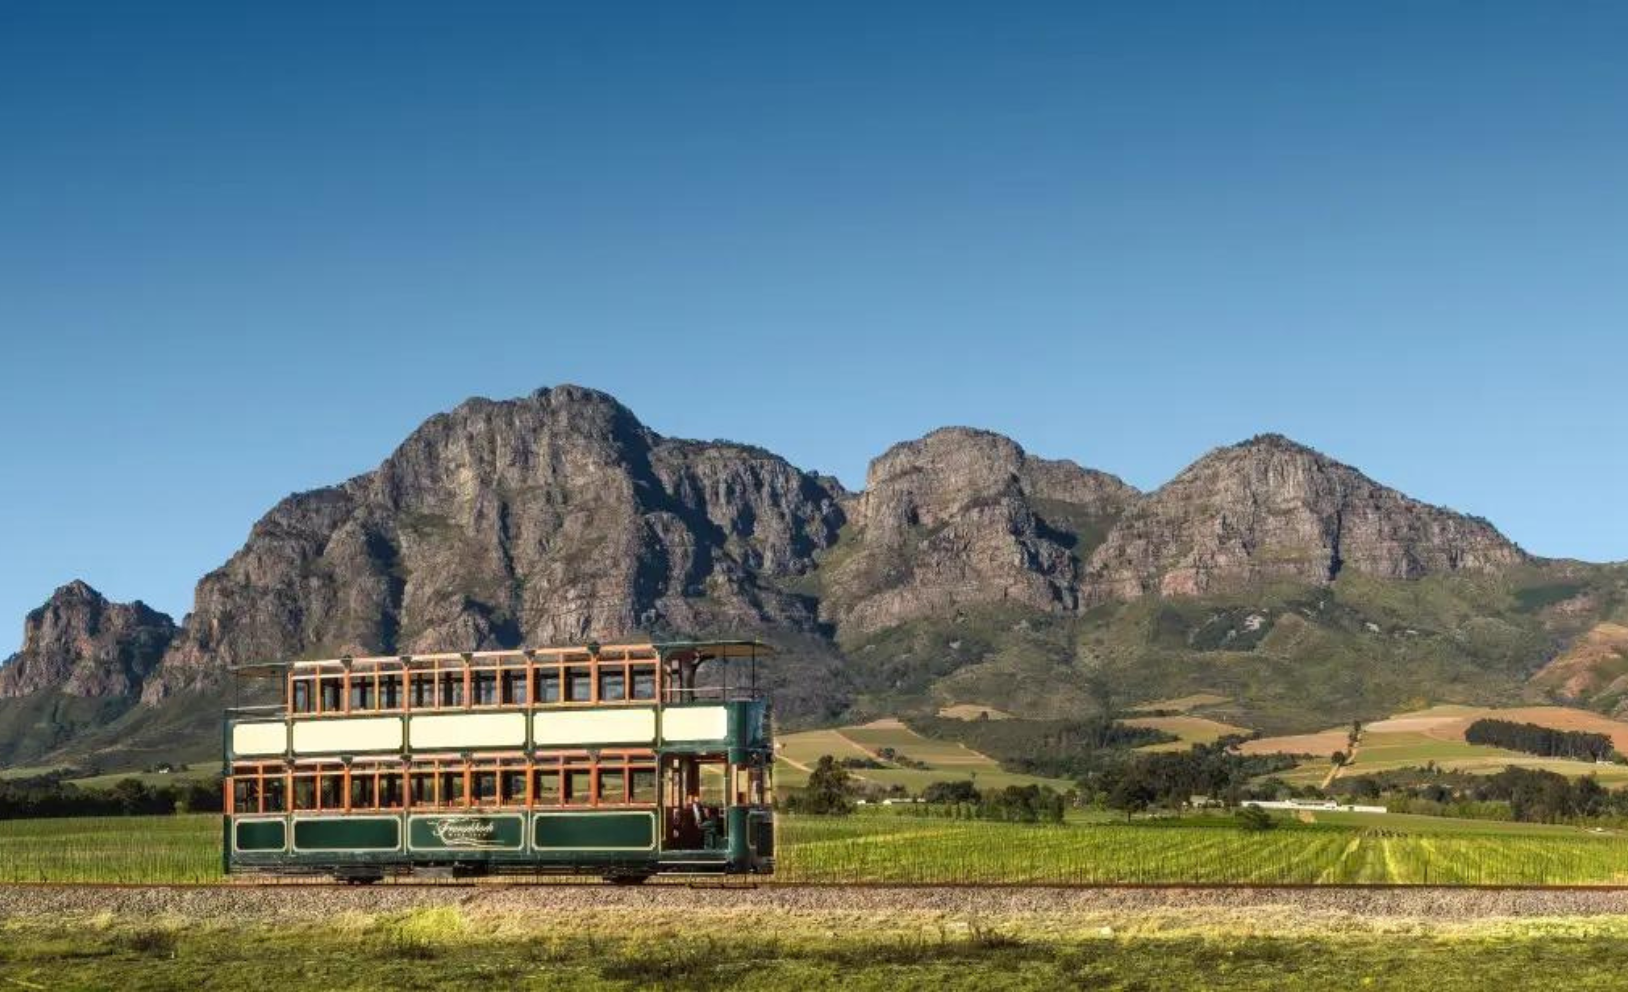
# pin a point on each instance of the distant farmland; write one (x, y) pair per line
(945, 761)
(1437, 735)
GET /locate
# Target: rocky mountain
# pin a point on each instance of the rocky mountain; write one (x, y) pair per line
(80, 644)
(541, 520)
(83, 662)
(964, 517)
(1273, 510)
(967, 570)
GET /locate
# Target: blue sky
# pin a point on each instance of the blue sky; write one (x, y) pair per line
(244, 252)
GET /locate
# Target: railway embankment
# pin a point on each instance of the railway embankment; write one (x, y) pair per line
(531, 904)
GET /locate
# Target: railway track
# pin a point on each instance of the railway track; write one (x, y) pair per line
(767, 886)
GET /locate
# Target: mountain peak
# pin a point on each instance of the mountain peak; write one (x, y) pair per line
(76, 590)
(84, 645)
(1270, 508)
(966, 516)
(1273, 442)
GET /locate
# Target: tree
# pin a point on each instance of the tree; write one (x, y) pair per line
(1254, 818)
(830, 789)
(950, 792)
(1131, 793)
(1337, 758)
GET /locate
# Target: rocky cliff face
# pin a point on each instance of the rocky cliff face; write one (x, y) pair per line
(542, 520)
(965, 517)
(81, 645)
(1271, 509)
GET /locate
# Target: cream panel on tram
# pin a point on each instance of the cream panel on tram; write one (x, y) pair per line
(617, 726)
(249, 739)
(694, 723)
(343, 735)
(455, 730)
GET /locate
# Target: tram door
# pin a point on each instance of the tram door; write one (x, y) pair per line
(692, 800)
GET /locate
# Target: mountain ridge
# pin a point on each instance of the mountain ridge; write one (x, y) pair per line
(559, 515)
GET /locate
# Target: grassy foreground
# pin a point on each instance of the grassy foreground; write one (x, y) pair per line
(442, 948)
(884, 846)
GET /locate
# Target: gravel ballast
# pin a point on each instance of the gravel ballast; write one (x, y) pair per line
(312, 903)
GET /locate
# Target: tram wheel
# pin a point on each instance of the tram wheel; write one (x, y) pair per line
(627, 879)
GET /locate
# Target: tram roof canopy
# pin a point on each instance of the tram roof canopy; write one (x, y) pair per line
(700, 650)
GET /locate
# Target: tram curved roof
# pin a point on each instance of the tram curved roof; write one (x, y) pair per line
(703, 649)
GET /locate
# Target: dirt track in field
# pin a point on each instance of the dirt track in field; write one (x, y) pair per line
(1297, 907)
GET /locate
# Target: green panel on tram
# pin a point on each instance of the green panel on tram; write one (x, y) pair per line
(594, 831)
(466, 833)
(348, 834)
(261, 835)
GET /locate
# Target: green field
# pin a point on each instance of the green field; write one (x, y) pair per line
(885, 846)
(946, 761)
(184, 848)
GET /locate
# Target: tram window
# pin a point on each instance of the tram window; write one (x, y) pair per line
(514, 688)
(514, 787)
(483, 688)
(302, 696)
(484, 787)
(390, 692)
(246, 795)
(644, 682)
(305, 792)
(452, 788)
(361, 692)
(748, 786)
(578, 685)
(546, 787)
(329, 787)
(276, 794)
(548, 685)
(452, 688)
(422, 786)
(612, 686)
(577, 787)
(363, 791)
(612, 786)
(330, 692)
(642, 786)
(390, 791)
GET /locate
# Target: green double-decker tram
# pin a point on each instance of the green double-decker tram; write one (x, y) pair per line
(621, 760)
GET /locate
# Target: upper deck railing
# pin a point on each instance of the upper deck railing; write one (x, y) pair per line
(588, 676)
